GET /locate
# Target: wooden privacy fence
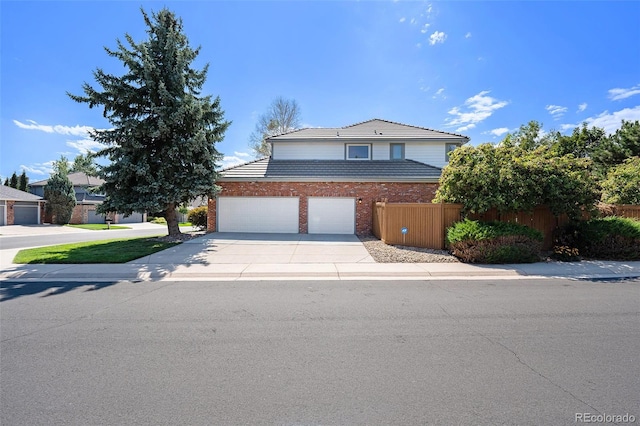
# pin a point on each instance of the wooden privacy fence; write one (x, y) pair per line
(425, 224)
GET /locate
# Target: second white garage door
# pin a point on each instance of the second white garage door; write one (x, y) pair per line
(328, 215)
(258, 214)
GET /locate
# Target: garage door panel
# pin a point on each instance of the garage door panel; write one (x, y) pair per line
(25, 215)
(258, 214)
(329, 215)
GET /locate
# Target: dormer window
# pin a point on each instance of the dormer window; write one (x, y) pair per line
(358, 152)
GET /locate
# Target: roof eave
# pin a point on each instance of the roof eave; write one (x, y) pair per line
(332, 179)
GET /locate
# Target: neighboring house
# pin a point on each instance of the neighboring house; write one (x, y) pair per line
(19, 207)
(85, 210)
(325, 180)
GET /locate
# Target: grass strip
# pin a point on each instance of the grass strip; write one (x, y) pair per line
(106, 251)
(97, 226)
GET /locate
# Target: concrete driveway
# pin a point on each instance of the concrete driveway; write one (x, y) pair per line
(252, 248)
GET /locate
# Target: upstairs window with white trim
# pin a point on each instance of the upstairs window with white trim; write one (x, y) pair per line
(358, 151)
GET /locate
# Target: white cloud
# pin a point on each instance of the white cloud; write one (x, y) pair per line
(402, 19)
(611, 122)
(499, 131)
(425, 28)
(429, 9)
(556, 111)
(418, 45)
(59, 129)
(565, 127)
(467, 35)
(480, 107)
(439, 93)
(85, 145)
(465, 128)
(618, 94)
(413, 20)
(437, 37)
(39, 168)
(234, 160)
(582, 107)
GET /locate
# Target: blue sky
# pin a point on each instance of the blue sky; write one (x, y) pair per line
(477, 68)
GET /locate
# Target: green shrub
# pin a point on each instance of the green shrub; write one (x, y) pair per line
(159, 220)
(478, 230)
(494, 242)
(615, 238)
(198, 217)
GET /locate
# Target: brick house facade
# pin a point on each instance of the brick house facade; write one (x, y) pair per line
(326, 180)
(367, 193)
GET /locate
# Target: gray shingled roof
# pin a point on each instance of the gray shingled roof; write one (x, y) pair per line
(370, 130)
(333, 171)
(77, 179)
(12, 194)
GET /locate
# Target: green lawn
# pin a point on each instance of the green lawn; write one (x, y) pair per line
(98, 226)
(105, 251)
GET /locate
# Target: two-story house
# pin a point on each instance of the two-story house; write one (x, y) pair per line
(325, 180)
(87, 200)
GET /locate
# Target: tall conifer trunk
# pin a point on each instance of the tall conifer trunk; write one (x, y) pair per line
(172, 220)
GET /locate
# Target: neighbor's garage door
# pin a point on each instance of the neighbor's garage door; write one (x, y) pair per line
(94, 217)
(258, 214)
(329, 215)
(133, 218)
(25, 214)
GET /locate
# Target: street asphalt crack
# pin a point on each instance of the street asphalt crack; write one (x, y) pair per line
(520, 361)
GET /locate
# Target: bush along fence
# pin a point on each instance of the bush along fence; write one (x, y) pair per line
(425, 225)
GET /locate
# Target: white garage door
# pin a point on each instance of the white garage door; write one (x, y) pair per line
(258, 214)
(329, 215)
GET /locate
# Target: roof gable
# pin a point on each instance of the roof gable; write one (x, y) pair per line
(77, 179)
(375, 128)
(8, 193)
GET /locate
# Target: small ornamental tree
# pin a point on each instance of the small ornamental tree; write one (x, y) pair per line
(59, 193)
(163, 132)
(622, 185)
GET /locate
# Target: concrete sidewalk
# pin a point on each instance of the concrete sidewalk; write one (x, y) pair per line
(297, 256)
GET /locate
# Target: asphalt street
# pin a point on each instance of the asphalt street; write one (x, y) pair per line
(312, 352)
(24, 241)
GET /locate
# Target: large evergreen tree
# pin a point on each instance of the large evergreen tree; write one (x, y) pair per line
(162, 141)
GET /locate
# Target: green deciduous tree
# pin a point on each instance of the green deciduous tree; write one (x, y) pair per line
(162, 141)
(59, 193)
(622, 185)
(509, 179)
(282, 116)
(623, 144)
(582, 142)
